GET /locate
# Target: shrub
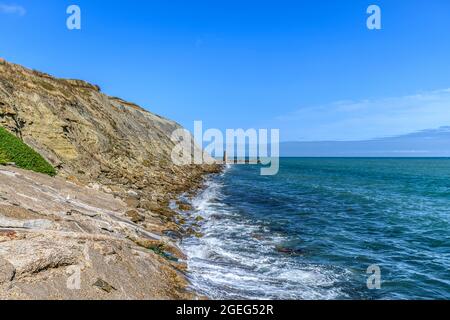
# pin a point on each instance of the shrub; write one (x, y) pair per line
(12, 149)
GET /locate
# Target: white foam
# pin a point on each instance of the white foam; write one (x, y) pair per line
(229, 263)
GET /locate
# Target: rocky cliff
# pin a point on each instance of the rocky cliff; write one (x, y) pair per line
(110, 200)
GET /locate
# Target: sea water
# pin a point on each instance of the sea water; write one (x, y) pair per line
(313, 230)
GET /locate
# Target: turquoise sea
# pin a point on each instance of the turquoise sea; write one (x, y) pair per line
(312, 231)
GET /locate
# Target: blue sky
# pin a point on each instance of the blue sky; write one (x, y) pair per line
(310, 68)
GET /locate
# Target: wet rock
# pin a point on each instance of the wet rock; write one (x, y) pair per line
(289, 251)
(192, 232)
(198, 235)
(147, 243)
(165, 212)
(184, 206)
(257, 236)
(172, 234)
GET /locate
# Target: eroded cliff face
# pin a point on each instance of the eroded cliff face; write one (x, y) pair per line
(91, 136)
(97, 143)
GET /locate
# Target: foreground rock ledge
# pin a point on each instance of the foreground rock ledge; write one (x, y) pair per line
(50, 228)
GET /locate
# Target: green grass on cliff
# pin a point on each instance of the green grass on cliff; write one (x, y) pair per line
(3, 157)
(14, 150)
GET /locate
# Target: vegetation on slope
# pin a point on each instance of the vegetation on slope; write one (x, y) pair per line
(3, 158)
(14, 150)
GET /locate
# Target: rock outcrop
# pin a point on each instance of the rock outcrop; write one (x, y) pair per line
(92, 137)
(107, 212)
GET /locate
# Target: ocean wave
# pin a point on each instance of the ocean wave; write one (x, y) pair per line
(236, 258)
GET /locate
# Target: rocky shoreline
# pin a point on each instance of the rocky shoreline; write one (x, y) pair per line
(106, 218)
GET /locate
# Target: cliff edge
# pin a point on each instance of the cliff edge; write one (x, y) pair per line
(106, 216)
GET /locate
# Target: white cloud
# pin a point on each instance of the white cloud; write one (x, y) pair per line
(368, 119)
(12, 9)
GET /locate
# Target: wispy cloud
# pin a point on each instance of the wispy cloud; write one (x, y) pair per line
(368, 119)
(12, 9)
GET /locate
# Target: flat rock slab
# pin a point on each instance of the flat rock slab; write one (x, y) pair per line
(52, 230)
(7, 271)
(40, 224)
